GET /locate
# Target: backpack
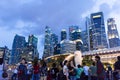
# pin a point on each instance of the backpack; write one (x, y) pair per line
(36, 69)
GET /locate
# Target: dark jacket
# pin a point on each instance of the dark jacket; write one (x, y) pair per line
(22, 69)
(117, 65)
(100, 70)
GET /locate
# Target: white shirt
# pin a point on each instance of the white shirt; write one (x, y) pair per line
(86, 68)
(65, 70)
(15, 71)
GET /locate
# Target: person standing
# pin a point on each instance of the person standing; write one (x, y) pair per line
(29, 71)
(72, 71)
(65, 70)
(54, 72)
(93, 71)
(35, 75)
(43, 71)
(60, 73)
(15, 71)
(100, 69)
(22, 70)
(116, 67)
(86, 71)
(109, 72)
(79, 71)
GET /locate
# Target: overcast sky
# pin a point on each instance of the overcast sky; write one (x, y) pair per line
(26, 17)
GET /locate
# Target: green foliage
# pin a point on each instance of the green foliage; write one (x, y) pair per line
(88, 60)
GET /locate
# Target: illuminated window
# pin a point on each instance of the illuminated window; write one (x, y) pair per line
(113, 28)
(97, 16)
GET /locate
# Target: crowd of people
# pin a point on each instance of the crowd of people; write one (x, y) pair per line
(66, 71)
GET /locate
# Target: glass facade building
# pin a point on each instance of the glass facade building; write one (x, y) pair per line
(32, 40)
(32, 46)
(47, 43)
(113, 36)
(54, 42)
(63, 35)
(18, 45)
(84, 37)
(71, 30)
(76, 36)
(98, 38)
(51, 40)
(67, 46)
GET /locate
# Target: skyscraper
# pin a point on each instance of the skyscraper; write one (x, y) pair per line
(87, 37)
(98, 34)
(47, 43)
(54, 39)
(71, 29)
(84, 37)
(32, 40)
(113, 36)
(57, 49)
(76, 36)
(18, 45)
(63, 35)
(54, 42)
(32, 45)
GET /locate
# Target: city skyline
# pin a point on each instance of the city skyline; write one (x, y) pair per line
(31, 17)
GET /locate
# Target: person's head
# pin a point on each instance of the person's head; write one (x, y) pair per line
(23, 61)
(61, 64)
(54, 65)
(97, 58)
(79, 66)
(44, 64)
(93, 63)
(118, 58)
(35, 63)
(65, 62)
(84, 64)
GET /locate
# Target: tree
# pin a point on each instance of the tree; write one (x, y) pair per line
(88, 60)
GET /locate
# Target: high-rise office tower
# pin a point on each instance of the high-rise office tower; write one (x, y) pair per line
(54, 42)
(54, 39)
(97, 34)
(113, 36)
(71, 30)
(84, 37)
(57, 49)
(76, 36)
(63, 35)
(17, 48)
(32, 45)
(32, 40)
(47, 43)
(4, 55)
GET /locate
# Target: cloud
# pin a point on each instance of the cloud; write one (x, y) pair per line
(31, 16)
(7, 36)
